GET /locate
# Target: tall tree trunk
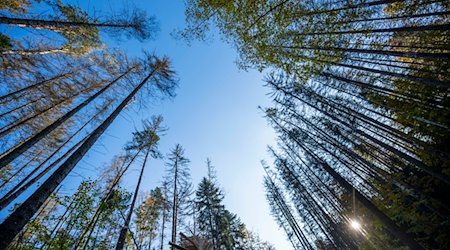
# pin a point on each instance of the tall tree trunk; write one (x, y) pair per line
(408, 54)
(40, 83)
(174, 208)
(430, 27)
(11, 196)
(30, 52)
(57, 25)
(98, 211)
(125, 227)
(438, 13)
(31, 173)
(163, 222)
(286, 213)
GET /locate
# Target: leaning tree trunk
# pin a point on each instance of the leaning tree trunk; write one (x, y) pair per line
(408, 54)
(41, 164)
(431, 27)
(98, 211)
(17, 220)
(57, 25)
(124, 230)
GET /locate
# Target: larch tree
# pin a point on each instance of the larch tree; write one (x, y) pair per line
(147, 218)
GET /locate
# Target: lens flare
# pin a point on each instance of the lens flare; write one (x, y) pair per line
(355, 224)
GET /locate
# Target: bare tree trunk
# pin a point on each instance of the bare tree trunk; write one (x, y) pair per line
(174, 208)
(125, 227)
(19, 189)
(56, 25)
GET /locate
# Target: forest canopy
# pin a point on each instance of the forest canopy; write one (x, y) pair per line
(361, 107)
(359, 103)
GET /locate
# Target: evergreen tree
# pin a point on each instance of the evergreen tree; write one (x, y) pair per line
(180, 188)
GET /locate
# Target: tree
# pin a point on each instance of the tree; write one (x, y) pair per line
(209, 208)
(147, 142)
(6, 159)
(80, 31)
(223, 229)
(180, 185)
(147, 216)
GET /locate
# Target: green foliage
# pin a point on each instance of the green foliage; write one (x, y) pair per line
(5, 42)
(223, 229)
(147, 218)
(63, 215)
(80, 39)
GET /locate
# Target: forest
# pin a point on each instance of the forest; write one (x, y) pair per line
(359, 94)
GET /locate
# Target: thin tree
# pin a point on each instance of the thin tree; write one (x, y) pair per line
(145, 141)
(179, 178)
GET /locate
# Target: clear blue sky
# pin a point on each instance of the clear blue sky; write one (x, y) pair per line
(214, 115)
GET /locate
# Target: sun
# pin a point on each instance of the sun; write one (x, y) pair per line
(355, 224)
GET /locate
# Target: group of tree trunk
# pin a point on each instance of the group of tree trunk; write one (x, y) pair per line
(361, 109)
(61, 90)
(102, 214)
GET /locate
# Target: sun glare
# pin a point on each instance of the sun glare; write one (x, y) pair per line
(355, 224)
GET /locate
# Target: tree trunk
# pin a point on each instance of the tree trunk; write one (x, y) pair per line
(11, 196)
(17, 190)
(408, 54)
(391, 226)
(98, 211)
(438, 13)
(174, 207)
(56, 25)
(431, 27)
(29, 52)
(125, 227)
